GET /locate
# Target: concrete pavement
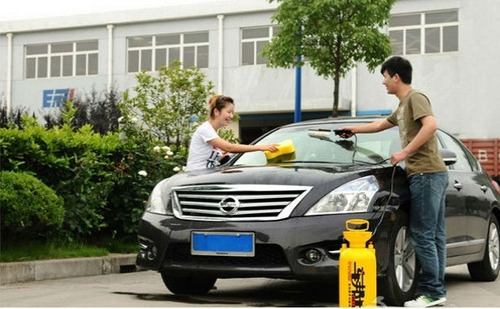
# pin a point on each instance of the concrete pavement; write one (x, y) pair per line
(145, 289)
(65, 268)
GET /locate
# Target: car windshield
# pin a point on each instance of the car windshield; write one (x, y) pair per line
(319, 144)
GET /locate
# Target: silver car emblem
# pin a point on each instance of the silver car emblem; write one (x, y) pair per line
(229, 205)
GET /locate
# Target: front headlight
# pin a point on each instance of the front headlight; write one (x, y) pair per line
(158, 201)
(354, 196)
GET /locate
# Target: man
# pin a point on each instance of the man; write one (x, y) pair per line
(427, 176)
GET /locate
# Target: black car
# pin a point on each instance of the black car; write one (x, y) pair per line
(284, 217)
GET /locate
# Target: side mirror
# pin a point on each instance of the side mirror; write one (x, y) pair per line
(449, 157)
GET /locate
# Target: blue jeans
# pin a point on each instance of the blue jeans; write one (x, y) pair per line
(428, 230)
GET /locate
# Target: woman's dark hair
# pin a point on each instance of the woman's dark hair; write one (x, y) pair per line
(218, 102)
(398, 65)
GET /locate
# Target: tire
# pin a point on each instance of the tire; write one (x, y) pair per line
(188, 284)
(400, 282)
(487, 268)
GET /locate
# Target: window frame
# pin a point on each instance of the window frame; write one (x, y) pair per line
(256, 44)
(424, 27)
(156, 47)
(36, 63)
(465, 158)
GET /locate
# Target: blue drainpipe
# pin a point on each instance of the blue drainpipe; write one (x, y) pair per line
(298, 81)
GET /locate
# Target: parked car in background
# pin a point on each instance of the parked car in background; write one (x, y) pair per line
(284, 217)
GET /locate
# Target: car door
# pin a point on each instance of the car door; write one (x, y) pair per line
(466, 206)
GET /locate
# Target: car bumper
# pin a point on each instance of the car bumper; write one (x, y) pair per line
(281, 247)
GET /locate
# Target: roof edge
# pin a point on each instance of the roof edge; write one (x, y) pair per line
(130, 16)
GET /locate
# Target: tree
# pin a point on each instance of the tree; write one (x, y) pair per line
(169, 104)
(332, 34)
(101, 113)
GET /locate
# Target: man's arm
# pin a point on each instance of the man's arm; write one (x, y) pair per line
(372, 127)
(429, 126)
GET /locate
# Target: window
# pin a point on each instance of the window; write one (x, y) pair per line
(61, 59)
(464, 161)
(424, 33)
(151, 52)
(252, 42)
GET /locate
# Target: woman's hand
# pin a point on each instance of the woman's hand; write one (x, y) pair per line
(269, 147)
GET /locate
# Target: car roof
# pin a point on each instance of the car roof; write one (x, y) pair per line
(330, 120)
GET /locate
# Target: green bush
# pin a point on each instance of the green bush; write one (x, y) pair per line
(102, 171)
(100, 177)
(143, 164)
(27, 206)
(76, 165)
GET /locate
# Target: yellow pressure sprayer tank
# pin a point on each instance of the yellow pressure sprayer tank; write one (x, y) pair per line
(358, 267)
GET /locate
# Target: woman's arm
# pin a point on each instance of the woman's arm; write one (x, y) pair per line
(237, 148)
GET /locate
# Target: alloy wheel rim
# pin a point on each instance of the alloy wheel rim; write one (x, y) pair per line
(494, 246)
(404, 260)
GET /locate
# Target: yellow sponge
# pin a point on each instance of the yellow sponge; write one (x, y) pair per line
(285, 147)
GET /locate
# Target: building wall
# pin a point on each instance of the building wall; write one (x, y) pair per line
(29, 92)
(460, 84)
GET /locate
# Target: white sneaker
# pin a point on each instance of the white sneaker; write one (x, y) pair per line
(425, 301)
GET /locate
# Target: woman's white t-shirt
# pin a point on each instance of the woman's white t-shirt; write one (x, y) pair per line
(201, 154)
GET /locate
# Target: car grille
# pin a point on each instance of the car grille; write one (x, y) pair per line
(237, 203)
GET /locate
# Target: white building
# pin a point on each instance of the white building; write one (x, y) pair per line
(452, 44)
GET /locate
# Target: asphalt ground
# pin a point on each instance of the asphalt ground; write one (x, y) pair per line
(146, 289)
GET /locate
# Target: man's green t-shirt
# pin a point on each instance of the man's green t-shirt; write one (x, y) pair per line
(411, 109)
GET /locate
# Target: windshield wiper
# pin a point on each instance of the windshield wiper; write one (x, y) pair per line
(370, 163)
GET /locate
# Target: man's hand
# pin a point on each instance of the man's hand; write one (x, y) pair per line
(398, 157)
(345, 132)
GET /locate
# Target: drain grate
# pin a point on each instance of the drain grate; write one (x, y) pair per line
(127, 269)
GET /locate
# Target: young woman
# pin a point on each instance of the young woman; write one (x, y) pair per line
(207, 148)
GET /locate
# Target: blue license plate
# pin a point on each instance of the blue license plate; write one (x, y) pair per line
(223, 243)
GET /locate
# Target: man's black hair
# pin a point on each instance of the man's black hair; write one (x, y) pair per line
(398, 65)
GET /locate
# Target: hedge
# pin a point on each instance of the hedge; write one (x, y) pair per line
(96, 175)
(28, 207)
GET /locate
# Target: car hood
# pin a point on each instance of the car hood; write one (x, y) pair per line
(280, 174)
(320, 178)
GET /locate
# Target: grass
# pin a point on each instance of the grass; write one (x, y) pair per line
(30, 251)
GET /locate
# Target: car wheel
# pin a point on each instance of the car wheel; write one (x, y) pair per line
(400, 282)
(188, 284)
(487, 268)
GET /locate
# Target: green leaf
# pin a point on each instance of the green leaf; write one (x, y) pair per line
(333, 35)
